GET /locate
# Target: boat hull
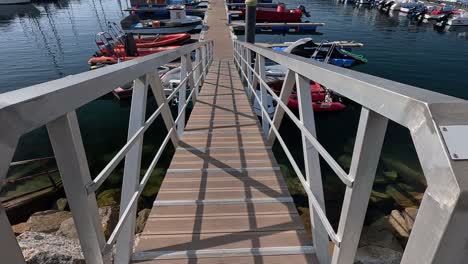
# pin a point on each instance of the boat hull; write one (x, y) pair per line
(14, 2)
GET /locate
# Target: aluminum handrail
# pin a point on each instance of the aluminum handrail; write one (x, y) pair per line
(425, 113)
(54, 103)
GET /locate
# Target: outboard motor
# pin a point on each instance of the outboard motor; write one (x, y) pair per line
(303, 10)
(130, 45)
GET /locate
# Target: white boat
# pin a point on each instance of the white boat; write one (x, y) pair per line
(405, 7)
(458, 20)
(179, 22)
(14, 2)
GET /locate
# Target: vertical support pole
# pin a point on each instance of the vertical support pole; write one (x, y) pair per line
(288, 85)
(255, 79)
(182, 96)
(65, 137)
(263, 94)
(249, 63)
(366, 154)
(196, 73)
(312, 168)
(244, 65)
(9, 248)
(204, 61)
(158, 92)
(190, 81)
(131, 178)
(250, 20)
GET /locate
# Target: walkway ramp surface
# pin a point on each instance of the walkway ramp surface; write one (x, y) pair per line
(223, 199)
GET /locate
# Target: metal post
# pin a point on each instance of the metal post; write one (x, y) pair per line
(312, 168)
(65, 137)
(288, 85)
(366, 154)
(9, 248)
(196, 73)
(131, 178)
(250, 20)
(263, 93)
(182, 95)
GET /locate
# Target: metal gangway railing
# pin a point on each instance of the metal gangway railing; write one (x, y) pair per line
(438, 125)
(54, 105)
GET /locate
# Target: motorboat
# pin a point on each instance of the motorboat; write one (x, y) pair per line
(460, 19)
(179, 22)
(440, 12)
(330, 52)
(279, 15)
(126, 91)
(14, 2)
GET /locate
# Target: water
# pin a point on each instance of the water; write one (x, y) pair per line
(48, 40)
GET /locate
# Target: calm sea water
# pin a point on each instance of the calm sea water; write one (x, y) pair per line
(48, 40)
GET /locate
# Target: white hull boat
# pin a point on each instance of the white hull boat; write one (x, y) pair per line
(179, 22)
(14, 2)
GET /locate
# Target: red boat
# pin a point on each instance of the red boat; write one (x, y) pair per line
(159, 41)
(141, 51)
(119, 53)
(280, 15)
(332, 106)
(317, 90)
(323, 99)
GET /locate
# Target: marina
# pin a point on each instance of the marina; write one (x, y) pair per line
(297, 146)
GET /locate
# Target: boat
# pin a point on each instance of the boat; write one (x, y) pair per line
(14, 2)
(179, 22)
(117, 35)
(165, 3)
(120, 54)
(406, 7)
(440, 12)
(279, 15)
(126, 91)
(330, 52)
(455, 20)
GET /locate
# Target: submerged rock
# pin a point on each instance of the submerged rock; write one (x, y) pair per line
(61, 204)
(380, 234)
(109, 197)
(41, 248)
(46, 221)
(377, 255)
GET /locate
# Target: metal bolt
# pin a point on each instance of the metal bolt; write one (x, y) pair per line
(455, 155)
(444, 129)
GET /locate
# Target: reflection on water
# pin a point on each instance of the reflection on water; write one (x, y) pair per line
(49, 40)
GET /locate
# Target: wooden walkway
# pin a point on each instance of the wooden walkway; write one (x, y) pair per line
(223, 199)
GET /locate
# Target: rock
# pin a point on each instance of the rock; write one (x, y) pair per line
(40, 248)
(391, 175)
(141, 220)
(109, 197)
(61, 204)
(400, 196)
(377, 255)
(304, 212)
(407, 173)
(109, 217)
(67, 229)
(380, 199)
(19, 228)
(399, 224)
(46, 221)
(379, 234)
(410, 215)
